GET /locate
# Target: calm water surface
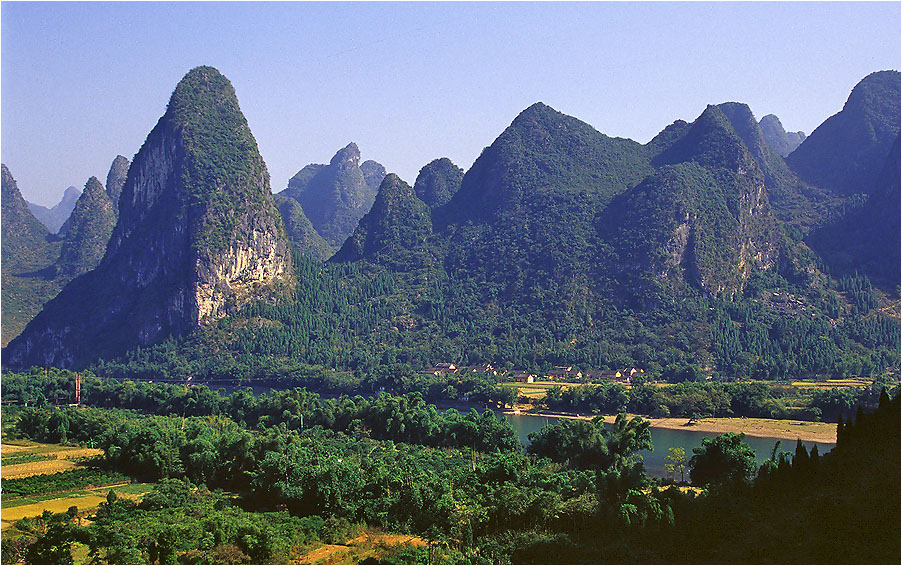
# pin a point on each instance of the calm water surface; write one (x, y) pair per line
(664, 438)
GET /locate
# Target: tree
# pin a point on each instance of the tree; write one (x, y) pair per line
(724, 458)
(676, 462)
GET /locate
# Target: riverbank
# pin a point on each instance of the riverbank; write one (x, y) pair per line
(769, 428)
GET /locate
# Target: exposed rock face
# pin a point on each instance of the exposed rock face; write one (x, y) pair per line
(702, 219)
(88, 231)
(792, 199)
(438, 181)
(54, 218)
(336, 196)
(845, 153)
(198, 236)
(394, 231)
(115, 179)
(27, 253)
(777, 138)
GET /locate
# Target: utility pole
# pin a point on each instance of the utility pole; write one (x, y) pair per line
(78, 389)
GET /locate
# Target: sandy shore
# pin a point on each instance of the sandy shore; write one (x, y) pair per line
(768, 428)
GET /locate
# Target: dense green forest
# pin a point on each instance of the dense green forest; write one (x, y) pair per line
(298, 469)
(359, 316)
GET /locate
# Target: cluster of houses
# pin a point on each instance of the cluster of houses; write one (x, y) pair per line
(558, 373)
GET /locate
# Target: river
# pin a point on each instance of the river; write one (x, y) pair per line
(664, 438)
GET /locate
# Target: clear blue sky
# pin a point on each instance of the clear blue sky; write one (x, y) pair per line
(410, 82)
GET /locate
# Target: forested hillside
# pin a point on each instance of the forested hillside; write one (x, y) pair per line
(29, 252)
(688, 255)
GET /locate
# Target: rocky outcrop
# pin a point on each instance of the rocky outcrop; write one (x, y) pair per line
(702, 219)
(115, 179)
(198, 236)
(438, 181)
(777, 138)
(54, 218)
(792, 199)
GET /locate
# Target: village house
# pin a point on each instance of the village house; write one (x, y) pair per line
(564, 373)
(440, 369)
(485, 368)
(523, 378)
(609, 374)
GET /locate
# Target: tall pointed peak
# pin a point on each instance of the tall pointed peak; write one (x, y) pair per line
(394, 232)
(201, 87)
(844, 154)
(709, 140)
(350, 155)
(9, 183)
(535, 110)
(740, 116)
(87, 231)
(93, 187)
(543, 150)
(115, 179)
(18, 221)
(198, 236)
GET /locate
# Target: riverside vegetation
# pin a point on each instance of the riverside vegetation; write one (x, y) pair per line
(241, 478)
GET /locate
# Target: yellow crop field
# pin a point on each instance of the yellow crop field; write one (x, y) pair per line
(13, 514)
(56, 458)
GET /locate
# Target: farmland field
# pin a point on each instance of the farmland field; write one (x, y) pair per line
(39, 459)
(47, 459)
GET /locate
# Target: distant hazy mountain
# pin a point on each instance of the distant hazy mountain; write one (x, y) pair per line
(87, 232)
(115, 179)
(845, 154)
(198, 236)
(335, 196)
(54, 218)
(438, 181)
(777, 138)
(28, 252)
(373, 173)
(300, 231)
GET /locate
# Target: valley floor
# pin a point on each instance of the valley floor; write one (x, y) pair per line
(771, 428)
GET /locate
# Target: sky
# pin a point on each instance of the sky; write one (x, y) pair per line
(81, 82)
